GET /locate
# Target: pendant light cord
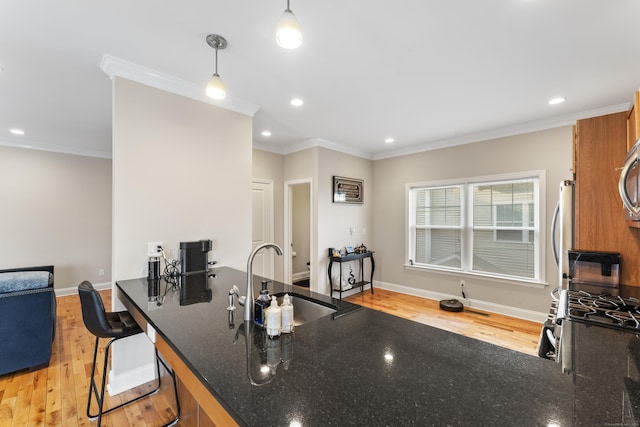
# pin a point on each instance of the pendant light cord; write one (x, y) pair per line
(216, 73)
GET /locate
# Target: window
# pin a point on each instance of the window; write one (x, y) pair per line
(488, 226)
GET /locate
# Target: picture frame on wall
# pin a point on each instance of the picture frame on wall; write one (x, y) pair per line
(348, 190)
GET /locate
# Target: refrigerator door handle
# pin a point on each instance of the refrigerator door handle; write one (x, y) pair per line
(554, 243)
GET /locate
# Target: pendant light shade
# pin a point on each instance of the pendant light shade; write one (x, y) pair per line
(215, 85)
(288, 34)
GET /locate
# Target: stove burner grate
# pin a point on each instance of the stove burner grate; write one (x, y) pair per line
(606, 310)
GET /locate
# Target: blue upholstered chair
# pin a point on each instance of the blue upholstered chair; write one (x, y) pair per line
(27, 318)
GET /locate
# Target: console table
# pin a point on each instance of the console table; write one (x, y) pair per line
(352, 257)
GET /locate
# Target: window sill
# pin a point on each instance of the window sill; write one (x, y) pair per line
(465, 274)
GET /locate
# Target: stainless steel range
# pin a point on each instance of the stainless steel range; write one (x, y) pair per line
(604, 310)
(591, 296)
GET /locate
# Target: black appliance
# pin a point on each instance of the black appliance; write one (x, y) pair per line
(194, 256)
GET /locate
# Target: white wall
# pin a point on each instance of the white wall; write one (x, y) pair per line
(330, 222)
(383, 214)
(181, 172)
(548, 150)
(335, 219)
(56, 210)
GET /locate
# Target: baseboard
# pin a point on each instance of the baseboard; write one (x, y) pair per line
(63, 292)
(520, 313)
(300, 276)
(130, 379)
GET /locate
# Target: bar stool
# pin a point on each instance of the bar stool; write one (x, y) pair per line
(112, 325)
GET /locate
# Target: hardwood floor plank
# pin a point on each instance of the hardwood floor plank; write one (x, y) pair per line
(37, 412)
(23, 401)
(53, 411)
(6, 411)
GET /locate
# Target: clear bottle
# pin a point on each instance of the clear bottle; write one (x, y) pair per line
(273, 319)
(260, 305)
(287, 315)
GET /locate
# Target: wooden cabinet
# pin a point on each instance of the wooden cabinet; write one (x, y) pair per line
(191, 414)
(600, 147)
(633, 122)
(198, 407)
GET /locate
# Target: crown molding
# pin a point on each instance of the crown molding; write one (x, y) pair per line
(311, 143)
(113, 67)
(319, 142)
(519, 129)
(269, 148)
(31, 145)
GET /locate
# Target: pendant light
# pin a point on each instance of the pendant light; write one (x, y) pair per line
(215, 85)
(288, 34)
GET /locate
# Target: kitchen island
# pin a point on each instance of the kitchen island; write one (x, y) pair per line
(359, 367)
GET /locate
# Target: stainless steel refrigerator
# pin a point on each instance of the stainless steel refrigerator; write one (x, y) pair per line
(562, 240)
(563, 231)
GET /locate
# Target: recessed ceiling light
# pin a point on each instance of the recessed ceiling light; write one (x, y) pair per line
(17, 131)
(558, 100)
(296, 102)
(389, 140)
(266, 133)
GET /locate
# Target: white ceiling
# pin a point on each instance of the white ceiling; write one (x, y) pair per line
(427, 73)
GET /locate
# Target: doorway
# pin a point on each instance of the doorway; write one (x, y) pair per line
(262, 226)
(298, 236)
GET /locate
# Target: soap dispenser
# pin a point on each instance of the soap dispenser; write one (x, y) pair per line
(287, 315)
(273, 319)
(261, 304)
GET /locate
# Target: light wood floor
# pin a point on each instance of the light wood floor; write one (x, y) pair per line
(505, 331)
(57, 395)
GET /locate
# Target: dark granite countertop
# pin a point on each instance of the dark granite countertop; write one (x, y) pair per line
(366, 367)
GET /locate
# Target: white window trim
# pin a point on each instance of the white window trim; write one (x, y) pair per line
(539, 233)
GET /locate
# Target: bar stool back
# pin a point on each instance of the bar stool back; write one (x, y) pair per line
(115, 326)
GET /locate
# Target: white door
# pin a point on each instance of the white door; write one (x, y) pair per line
(262, 226)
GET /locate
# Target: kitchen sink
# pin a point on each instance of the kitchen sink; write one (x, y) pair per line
(307, 309)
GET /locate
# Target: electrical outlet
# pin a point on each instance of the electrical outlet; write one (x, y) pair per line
(101, 272)
(152, 249)
(464, 296)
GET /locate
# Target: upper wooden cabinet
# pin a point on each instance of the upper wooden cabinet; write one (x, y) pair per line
(633, 122)
(600, 146)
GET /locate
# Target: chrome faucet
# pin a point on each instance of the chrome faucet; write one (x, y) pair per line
(248, 304)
